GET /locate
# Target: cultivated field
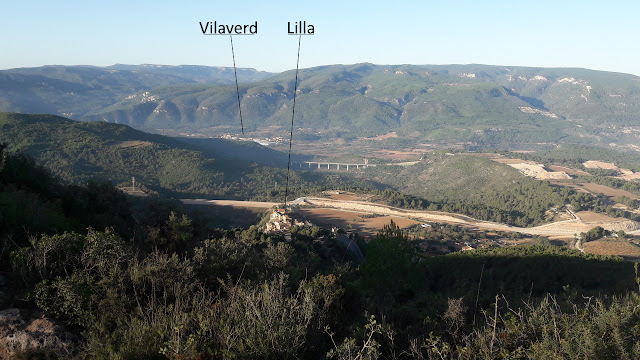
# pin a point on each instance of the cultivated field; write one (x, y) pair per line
(352, 219)
(570, 171)
(606, 190)
(617, 247)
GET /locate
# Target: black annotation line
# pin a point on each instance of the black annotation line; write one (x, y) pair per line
(238, 89)
(293, 114)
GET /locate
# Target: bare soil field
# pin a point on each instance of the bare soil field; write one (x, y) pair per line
(509, 161)
(343, 218)
(590, 216)
(592, 188)
(538, 171)
(573, 185)
(379, 222)
(625, 173)
(594, 219)
(405, 154)
(406, 163)
(605, 190)
(567, 170)
(384, 137)
(342, 213)
(592, 164)
(344, 197)
(233, 203)
(617, 247)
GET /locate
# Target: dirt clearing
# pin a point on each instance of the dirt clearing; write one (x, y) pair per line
(352, 219)
(234, 203)
(132, 144)
(605, 190)
(567, 170)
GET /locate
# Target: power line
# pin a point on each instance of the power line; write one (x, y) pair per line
(237, 88)
(293, 114)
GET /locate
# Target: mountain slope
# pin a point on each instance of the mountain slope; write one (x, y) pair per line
(472, 104)
(77, 151)
(74, 91)
(477, 103)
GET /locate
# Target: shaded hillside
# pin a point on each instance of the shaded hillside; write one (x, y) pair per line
(78, 151)
(241, 150)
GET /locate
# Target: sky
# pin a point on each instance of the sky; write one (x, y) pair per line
(588, 34)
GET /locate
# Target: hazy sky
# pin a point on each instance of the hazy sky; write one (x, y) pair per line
(597, 35)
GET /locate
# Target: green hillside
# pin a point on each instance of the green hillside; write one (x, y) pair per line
(89, 273)
(77, 151)
(487, 105)
(479, 187)
(479, 105)
(73, 91)
(186, 167)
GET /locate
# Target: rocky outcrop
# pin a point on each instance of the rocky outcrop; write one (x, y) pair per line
(21, 330)
(280, 222)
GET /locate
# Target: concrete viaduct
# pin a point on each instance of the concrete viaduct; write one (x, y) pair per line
(329, 165)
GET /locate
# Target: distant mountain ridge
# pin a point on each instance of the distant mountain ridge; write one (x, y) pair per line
(475, 104)
(74, 91)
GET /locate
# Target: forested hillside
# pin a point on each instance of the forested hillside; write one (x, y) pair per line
(482, 104)
(77, 152)
(188, 167)
(137, 278)
(73, 91)
(479, 187)
(479, 104)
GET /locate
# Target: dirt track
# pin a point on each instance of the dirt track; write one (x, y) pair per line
(248, 204)
(558, 229)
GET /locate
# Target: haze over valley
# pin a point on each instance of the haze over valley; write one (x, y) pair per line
(258, 180)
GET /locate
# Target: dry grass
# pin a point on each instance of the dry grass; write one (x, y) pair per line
(569, 171)
(592, 164)
(385, 136)
(606, 190)
(508, 161)
(612, 247)
(345, 197)
(590, 216)
(343, 218)
(232, 203)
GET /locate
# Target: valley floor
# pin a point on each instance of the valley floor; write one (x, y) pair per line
(566, 229)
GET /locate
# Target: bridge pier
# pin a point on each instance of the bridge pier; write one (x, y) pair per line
(320, 165)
